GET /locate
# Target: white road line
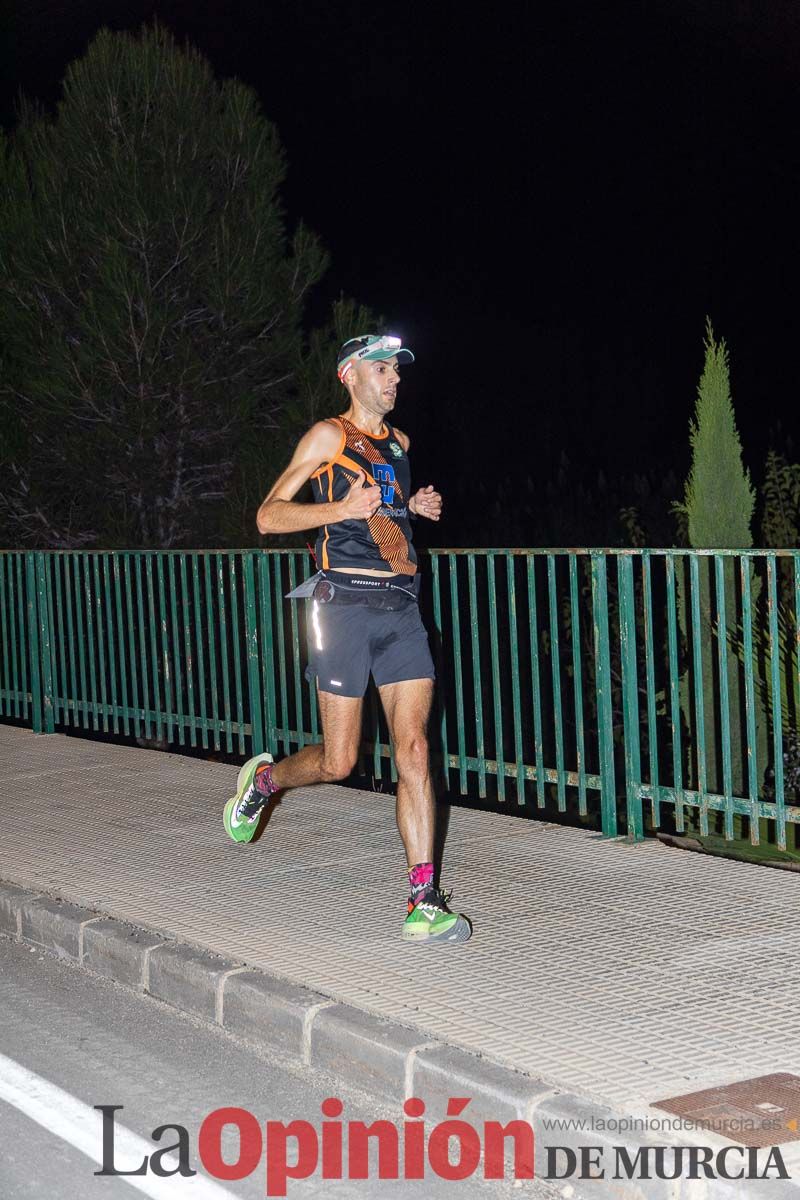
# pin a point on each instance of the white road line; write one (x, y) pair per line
(80, 1125)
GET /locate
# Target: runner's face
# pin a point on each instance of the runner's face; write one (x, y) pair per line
(375, 385)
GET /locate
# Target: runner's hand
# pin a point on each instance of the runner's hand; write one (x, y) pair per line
(361, 502)
(427, 503)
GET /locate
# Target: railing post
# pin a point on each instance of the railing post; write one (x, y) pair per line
(39, 641)
(605, 722)
(440, 691)
(32, 622)
(630, 697)
(253, 663)
(267, 649)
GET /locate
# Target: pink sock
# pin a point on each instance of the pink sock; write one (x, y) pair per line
(420, 877)
(263, 781)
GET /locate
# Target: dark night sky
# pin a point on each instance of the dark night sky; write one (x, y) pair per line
(577, 184)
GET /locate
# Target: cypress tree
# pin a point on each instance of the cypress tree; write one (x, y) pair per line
(718, 506)
(719, 498)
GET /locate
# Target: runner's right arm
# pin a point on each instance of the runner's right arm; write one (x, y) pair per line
(279, 513)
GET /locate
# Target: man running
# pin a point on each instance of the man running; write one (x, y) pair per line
(364, 616)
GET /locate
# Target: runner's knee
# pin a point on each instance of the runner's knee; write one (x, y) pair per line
(411, 756)
(338, 763)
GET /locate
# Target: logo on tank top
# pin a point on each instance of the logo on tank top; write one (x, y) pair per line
(396, 450)
(384, 475)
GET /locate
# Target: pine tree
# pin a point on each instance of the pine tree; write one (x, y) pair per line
(151, 301)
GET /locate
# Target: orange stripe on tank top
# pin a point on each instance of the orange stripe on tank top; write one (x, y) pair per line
(325, 562)
(391, 544)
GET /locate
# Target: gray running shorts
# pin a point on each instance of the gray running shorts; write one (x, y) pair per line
(348, 641)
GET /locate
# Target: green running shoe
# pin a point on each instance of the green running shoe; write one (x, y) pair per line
(243, 811)
(430, 920)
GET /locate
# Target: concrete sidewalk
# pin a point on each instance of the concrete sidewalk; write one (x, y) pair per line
(624, 974)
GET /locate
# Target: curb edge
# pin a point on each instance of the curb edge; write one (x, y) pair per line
(279, 1015)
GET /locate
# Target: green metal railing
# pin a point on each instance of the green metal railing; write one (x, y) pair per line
(641, 688)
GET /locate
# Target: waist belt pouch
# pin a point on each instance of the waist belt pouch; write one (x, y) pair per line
(388, 597)
(305, 590)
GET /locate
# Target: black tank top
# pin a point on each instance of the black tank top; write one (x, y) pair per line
(384, 541)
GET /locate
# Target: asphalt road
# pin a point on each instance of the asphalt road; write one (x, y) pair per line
(103, 1045)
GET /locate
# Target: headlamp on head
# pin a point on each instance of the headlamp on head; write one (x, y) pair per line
(369, 347)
